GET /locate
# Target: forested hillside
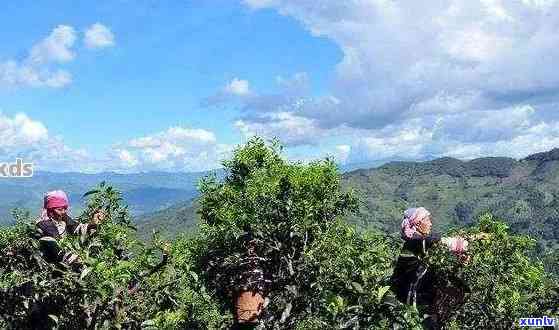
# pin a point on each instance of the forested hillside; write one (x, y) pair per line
(523, 192)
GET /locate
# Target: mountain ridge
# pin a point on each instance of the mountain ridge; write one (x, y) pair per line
(521, 191)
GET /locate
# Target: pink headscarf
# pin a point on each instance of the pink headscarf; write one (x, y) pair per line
(413, 217)
(53, 199)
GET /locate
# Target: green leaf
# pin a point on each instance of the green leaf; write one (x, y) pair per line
(54, 318)
(357, 287)
(94, 191)
(85, 272)
(194, 275)
(381, 292)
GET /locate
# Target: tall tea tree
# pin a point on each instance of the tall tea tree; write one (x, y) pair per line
(286, 216)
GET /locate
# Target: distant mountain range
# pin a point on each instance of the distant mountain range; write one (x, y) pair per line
(148, 192)
(525, 193)
(143, 192)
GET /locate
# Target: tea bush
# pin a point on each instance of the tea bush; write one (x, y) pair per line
(285, 220)
(499, 284)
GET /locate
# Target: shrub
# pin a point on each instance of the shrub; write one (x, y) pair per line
(108, 288)
(497, 286)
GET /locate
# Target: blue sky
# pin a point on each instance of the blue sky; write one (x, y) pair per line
(149, 85)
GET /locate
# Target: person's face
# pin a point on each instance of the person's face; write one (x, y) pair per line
(58, 213)
(425, 226)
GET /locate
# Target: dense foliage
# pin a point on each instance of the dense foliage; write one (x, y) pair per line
(270, 226)
(315, 267)
(87, 294)
(497, 285)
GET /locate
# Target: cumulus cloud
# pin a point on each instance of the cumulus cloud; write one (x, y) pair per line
(292, 130)
(176, 149)
(513, 132)
(238, 87)
(35, 70)
(237, 90)
(98, 36)
(126, 159)
(397, 54)
(29, 139)
(20, 131)
(13, 73)
(56, 47)
(341, 153)
(460, 78)
(40, 67)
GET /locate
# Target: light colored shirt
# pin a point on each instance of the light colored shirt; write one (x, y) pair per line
(60, 226)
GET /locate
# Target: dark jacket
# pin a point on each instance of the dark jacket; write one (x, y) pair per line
(412, 281)
(47, 233)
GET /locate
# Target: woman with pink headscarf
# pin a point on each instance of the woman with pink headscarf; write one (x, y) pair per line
(411, 281)
(55, 223)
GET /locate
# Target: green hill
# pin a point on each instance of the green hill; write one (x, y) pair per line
(524, 192)
(171, 221)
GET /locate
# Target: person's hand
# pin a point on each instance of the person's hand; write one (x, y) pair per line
(166, 248)
(463, 258)
(455, 244)
(98, 217)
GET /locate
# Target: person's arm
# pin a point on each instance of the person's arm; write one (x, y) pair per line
(429, 240)
(85, 229)
(432, 238)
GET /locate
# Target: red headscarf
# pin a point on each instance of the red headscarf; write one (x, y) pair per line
(53, 199)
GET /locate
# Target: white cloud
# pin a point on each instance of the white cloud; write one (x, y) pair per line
(127, 160)
(539, 4)
(36, 69)
(177, 148)
(40, 67)
(238, 87)
(18, 74)
(461, 78)
(20, 131)
(29, 139)
(291, 129)
(98, 36)
(486, 126)
(56, 47)
(513, 132)
(341, 153)
(235, 91)
(399, 54)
